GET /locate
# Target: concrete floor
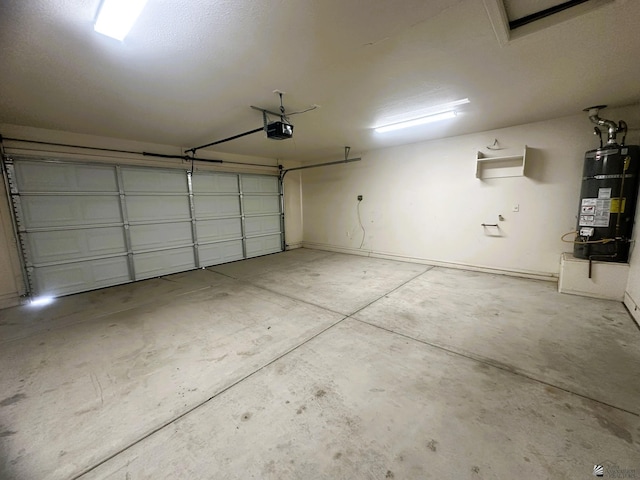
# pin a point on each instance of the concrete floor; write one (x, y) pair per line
(314, 365)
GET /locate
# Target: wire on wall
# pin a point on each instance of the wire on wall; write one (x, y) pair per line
(364, 232)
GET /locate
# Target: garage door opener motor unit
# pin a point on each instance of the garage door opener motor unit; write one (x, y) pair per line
(279, 130)
(608, 195)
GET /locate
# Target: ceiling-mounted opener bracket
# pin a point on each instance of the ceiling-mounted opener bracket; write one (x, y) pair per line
(282, 115)
(266, 112)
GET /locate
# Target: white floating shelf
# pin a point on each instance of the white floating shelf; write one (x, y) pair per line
(499, 167)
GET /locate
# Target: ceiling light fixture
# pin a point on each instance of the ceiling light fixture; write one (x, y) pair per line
(436, 117)
(116, 17)
(433, 114)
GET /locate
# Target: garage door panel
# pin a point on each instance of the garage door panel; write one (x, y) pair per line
(155, 264)
(56, 211)
(146, 237)
(214, 230)
(157, 208)
(57, 177)
(78, 228)
(261, 204)
(154, 181)
(215, 183)
(217, 253)
(216, 206)
(81, 276)
(62, 245)
(262, 225)
(259, 184)
(263, 245)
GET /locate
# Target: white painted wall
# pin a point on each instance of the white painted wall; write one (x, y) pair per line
(632, 292)
(422, 201)
(293, 210)
(11, 281)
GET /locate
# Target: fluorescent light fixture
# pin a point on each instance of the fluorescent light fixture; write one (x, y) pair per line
(436, 117)
(428, 115)
(116, 17)
(41, 301)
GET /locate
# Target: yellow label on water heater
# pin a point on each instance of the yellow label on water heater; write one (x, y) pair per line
(615, 205)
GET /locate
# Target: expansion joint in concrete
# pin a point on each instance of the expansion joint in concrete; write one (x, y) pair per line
(499, 367)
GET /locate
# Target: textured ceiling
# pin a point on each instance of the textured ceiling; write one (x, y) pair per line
(190, 69)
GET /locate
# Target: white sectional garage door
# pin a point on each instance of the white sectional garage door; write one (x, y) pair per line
(262, 214)
(156, 209)
(84, 227)
(216, 199)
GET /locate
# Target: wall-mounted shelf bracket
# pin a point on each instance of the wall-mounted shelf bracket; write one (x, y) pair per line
(499, 167)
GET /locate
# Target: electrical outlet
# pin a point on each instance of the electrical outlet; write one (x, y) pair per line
(359, 198)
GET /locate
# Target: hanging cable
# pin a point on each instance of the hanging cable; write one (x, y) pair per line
(364, 232)
(313, 107)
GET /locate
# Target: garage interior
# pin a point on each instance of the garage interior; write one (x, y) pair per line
(221, 259)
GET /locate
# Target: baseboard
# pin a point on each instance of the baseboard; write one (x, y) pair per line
(550, 277)
(293, 246)
(633, 307)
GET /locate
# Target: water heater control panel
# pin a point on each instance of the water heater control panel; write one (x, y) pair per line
(586, 232)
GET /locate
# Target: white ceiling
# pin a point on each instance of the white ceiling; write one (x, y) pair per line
(190, 69)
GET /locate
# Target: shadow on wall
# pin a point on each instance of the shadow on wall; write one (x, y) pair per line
(535, 168)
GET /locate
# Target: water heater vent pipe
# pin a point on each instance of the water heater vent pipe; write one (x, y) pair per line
(613, 128)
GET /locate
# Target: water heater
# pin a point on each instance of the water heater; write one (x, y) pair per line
(608, 195)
